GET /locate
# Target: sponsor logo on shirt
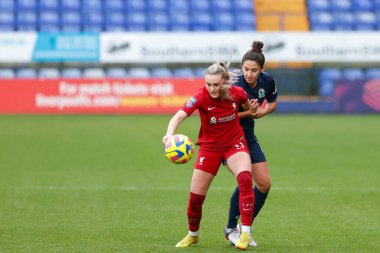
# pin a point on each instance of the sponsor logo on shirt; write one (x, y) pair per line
(213, 120)
(191, 102)
(234, 106)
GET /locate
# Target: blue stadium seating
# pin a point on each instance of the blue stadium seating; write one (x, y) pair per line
(326, 80)
(71, 21)
(223, 21)
(221, 5)
(7, 5)
(70, 5)
(321, 20)
(26, 73)
(156, 5)
(183, 73)
(93, 73)
(372, 73)
(49, 73)
(201, 21)
(341, 5)
(319, 5)
(135, 5)
(362, 5)
(92, 5)
(179, 21)
(48, 21)
(92, 21)
(73, 73)
(7, 73)
(113, 5)
(365, 20)
(136, 21)
(158, 21)
(26, 5)
(200, 5)
(242, 5)
(353, 73)
(161, 72)
(343, 20)
(48, 5)
(200, 71)
(116, 73)
(114, 21)
(245, 21)
(139, 73)
(6, 21)
(178, 5)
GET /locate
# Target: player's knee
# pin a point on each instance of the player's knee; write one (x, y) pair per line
(264, 186)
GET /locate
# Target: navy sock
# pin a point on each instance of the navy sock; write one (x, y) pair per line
(234, 213)
(259, 200)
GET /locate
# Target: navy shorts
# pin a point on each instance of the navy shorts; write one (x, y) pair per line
(255, 151)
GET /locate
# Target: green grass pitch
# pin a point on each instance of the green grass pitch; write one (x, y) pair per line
(102, 184)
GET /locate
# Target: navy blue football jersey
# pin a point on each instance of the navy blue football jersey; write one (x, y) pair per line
(264, 90)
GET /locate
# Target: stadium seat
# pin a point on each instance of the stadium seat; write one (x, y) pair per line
(362, 5)
(136, 21)
(221, 5)
(157, 5)
(200, 71)
(26, 73)
(343, 20)
(135, 5)
(92, 5)
(6, 20)
(70, 5)
(318, 5)
(7, 73)
(321, 20)
(74, 73)
(26, 5)
(158, 21)
(178, 5)
(8, 5)
(242, 5)
(353, 73)
(326, 80)
(92, 21)
(71, 21)
(49, 73)
(372, 73)
(179, 21)
(223, 21)
(341, 5)
(116, 73)
(200, 5)
(161, 72)
(245, 21)
(48, 5)
(365, 20)
(201, 21)
(48, 21)
(139, 73)
(93, 73)
(114, 21)
(183, 73)
(113, 5)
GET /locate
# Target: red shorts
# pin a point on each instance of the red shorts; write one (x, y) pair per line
(209, 161)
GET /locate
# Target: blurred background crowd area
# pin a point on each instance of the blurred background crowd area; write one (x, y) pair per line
(294, 78)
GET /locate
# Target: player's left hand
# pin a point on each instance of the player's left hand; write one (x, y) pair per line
(259, 113)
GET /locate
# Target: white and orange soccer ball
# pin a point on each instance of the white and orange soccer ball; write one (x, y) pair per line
(179, 149)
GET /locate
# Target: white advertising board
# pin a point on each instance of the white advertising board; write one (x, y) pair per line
(17, 47)
(198, 47)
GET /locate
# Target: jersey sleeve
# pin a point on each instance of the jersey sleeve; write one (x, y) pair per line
(192, 104)
(271, 95)
(241, 95)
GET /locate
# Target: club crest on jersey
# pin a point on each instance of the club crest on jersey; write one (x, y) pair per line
(261, 93)
(191, 102)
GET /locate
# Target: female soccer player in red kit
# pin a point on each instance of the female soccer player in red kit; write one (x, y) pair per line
(220, 138)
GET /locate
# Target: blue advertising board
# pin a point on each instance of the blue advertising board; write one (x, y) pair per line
(66, 47)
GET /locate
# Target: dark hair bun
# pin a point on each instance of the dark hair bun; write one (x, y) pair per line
(257, 46)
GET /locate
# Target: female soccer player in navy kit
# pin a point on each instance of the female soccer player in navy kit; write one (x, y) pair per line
(259, 86)
(220, 138)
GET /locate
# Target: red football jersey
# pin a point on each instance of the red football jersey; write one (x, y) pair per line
(220, 125)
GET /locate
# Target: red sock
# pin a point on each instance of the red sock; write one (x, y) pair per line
(194, 211)
(246, 197)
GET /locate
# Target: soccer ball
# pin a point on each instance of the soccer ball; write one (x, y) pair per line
(179, 149)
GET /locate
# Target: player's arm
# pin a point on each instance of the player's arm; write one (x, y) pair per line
(250, 108)
(173, 124)
(269, 108)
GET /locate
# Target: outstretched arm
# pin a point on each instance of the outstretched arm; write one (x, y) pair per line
(173, 124)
